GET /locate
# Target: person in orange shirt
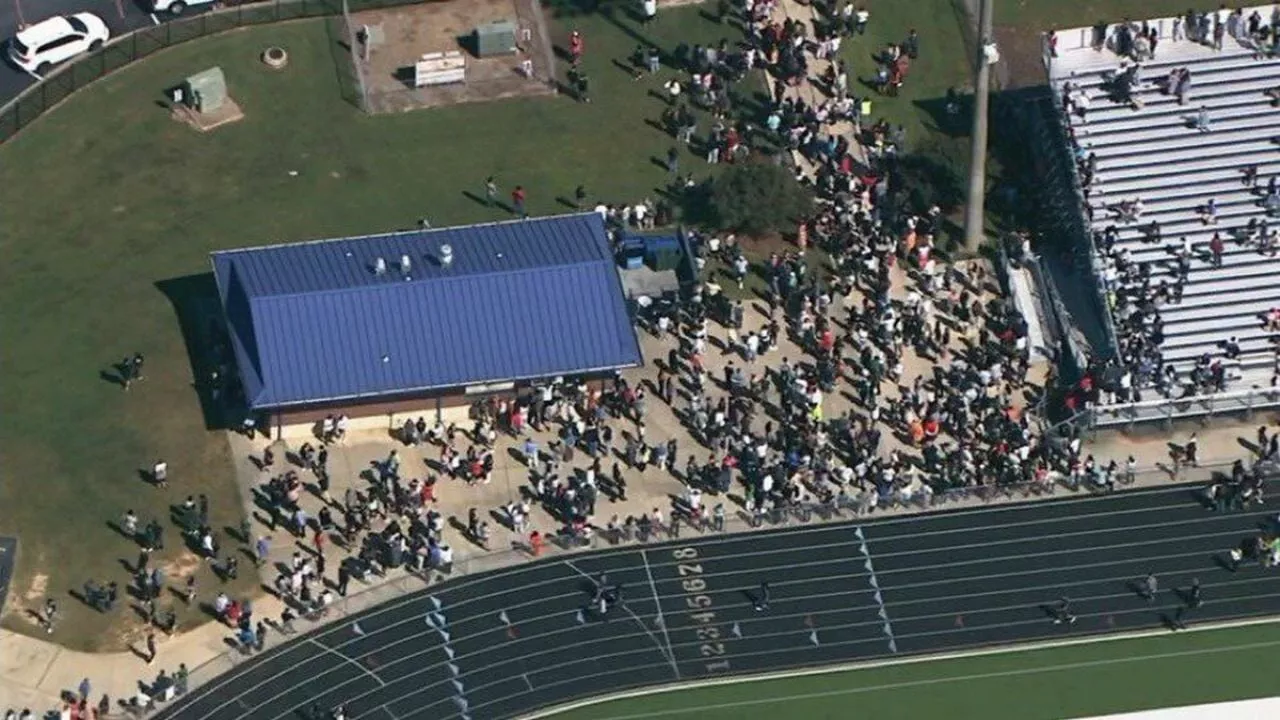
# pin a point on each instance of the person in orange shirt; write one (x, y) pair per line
(917, 432)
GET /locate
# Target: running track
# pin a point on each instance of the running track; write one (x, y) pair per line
(513, 641)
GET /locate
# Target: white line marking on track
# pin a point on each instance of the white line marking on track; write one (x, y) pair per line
(154, 20)
(924, 682)
(664, 649)
(527, 681)
(911, 660)
(657, 601)
(348, 659)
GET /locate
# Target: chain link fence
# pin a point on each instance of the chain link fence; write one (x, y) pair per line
(66, 79)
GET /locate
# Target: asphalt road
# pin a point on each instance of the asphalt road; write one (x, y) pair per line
(15, 12)
(502, 644)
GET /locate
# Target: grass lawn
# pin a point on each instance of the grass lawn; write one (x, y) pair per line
(1077, 681)
(123, 202)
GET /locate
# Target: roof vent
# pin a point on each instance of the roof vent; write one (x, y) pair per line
(446, 255)
(406, 264)
(379, 266)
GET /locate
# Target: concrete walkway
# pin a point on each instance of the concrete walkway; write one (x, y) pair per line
(807, 90)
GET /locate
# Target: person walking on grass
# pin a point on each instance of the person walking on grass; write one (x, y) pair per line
(517, 202)
(491, 191)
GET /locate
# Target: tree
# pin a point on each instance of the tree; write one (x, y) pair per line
(756, 197)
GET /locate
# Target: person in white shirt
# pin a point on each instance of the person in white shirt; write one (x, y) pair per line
(650, 10)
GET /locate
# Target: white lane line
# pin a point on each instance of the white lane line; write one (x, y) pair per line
(946, 582)
(889, 661)
(913, 660)
(348, 659)
(664, 649)
(527, 681)
(1234, 534)
(1010, 541)
(657, 601)
(1012, 647)
(926, 682)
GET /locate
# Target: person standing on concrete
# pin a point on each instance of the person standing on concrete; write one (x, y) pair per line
(261, 549)
(151, 648)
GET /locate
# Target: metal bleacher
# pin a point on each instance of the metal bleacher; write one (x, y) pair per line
(1155, 153)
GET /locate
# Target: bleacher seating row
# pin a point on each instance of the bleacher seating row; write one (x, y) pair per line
(1155, 153)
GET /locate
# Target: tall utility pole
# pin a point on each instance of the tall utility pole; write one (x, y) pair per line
(975, 208)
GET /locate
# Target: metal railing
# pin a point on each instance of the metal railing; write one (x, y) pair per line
(1168, 410)
(59, 84)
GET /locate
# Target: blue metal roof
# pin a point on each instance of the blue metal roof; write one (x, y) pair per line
(527, 299)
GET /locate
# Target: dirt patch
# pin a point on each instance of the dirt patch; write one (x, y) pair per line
(402, 35)
(1021, 51)
(182, 566)
(37, 589)
(27, 607)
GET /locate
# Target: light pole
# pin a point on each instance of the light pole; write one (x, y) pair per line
(975, 208)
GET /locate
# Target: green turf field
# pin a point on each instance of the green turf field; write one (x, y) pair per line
(1089, 679)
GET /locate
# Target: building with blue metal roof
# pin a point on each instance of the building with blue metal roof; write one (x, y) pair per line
(333, 325)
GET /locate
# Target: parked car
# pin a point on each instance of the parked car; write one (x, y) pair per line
(40, 46)
(176, 7)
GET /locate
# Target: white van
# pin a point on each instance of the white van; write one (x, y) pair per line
(176, 7)
(40, 46)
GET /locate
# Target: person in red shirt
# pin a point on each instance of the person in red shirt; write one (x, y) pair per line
(517, 202)
(576, 46)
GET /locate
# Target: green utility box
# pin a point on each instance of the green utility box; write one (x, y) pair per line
(206, 91)
(496, 38)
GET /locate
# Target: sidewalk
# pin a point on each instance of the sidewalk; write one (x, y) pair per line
(808, 91)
